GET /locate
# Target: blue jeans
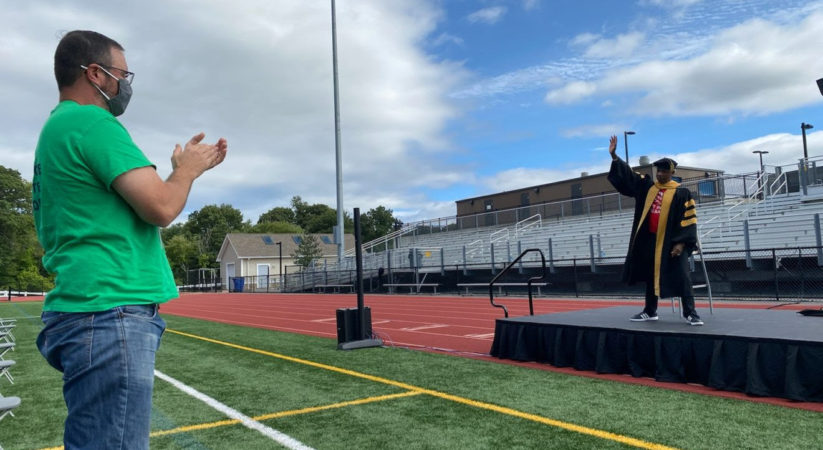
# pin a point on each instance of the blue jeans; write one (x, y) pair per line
(107, 360)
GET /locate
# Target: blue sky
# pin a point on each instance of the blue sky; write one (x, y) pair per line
(440, 100)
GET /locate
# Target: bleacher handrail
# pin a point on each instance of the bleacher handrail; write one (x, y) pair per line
(534, 221)
(499, 235)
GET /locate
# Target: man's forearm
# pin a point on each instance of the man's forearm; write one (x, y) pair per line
(177, 187)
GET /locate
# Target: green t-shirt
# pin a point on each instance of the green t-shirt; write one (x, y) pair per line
(103, 253)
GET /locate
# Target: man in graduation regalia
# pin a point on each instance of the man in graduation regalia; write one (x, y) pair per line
(664, 234)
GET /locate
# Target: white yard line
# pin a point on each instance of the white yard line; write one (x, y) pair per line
(247, 421)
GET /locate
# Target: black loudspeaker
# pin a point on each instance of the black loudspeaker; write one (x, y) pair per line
(348, 324)
(820, 85)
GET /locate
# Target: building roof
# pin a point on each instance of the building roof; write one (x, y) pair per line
(264, 245)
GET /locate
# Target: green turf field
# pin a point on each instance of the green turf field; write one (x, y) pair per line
(382, 398)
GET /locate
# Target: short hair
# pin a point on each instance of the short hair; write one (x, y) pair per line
(80, 47)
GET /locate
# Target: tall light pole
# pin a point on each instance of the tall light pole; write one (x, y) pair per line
(626, 135)
(338, 233)
(280, 254)
(803, 127)
(760, 173)
(761, 153)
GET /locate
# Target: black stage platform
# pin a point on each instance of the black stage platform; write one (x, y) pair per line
(760, 352)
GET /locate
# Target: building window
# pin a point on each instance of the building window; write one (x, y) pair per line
(706, 188)
(487, 205)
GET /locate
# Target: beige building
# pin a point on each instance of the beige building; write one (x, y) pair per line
(258, 254)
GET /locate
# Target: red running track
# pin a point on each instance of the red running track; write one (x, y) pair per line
(462, 325)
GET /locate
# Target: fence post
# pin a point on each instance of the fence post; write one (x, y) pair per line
(574, 276)
(819, 241)
(776, 282)
(747, 244)
(442, 262)
(801, 172)
(802, 273)
(551, 257)
(388, 266)
(492, 256)
(591, 253)
(465, 262)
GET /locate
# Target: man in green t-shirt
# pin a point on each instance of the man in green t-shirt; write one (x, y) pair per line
(98, 203)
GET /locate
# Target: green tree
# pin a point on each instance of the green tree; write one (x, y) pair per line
(276, 227)
(182, 253)
(318, 218)
(20, 253)
(277, 214)
(210, 224)
(307, 251)
(376, 222)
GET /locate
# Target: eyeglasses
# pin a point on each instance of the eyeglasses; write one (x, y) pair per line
(126, 75)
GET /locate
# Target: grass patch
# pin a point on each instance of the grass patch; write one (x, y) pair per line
(257, 385)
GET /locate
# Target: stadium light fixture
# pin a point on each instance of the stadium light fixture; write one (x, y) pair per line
(626, 135)
(803, 127)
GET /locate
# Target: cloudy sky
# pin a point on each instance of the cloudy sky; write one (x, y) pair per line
(440, 100)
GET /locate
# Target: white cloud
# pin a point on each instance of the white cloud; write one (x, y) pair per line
(446, 38)
(584, 39)
(489, 15)
(671, 3)
(622, 46)
(784, 150)
(570, 93)
(595, 130)
(529, 5)
(267, 89)
(757, 67)
(736, 158)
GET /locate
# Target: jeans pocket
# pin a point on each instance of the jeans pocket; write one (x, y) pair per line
(65, 341)
(139, 311)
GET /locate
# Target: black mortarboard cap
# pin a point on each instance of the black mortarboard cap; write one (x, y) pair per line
(665, 163)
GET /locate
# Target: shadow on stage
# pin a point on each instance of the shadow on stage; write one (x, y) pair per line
(760, 352)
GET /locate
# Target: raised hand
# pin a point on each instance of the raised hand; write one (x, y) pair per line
(198, 157)
(613, 146)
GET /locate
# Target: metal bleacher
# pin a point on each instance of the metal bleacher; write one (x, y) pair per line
(764, 210)
(782, 220)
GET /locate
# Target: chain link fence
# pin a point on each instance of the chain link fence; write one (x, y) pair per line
(778, 274)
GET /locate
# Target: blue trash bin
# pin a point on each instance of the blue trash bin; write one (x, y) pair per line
(238, 284)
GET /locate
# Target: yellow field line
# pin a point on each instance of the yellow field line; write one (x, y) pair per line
(477, 404)
(294, 412)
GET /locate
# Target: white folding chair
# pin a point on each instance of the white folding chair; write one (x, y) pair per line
(6, 336)
(7, 404)
(4, 348)
(5, 365)
(6, 332)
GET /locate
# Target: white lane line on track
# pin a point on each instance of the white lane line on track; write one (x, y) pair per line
(283, 439)
(425, 327)
(480, 336)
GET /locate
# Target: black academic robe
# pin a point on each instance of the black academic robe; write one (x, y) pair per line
(677, 224)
